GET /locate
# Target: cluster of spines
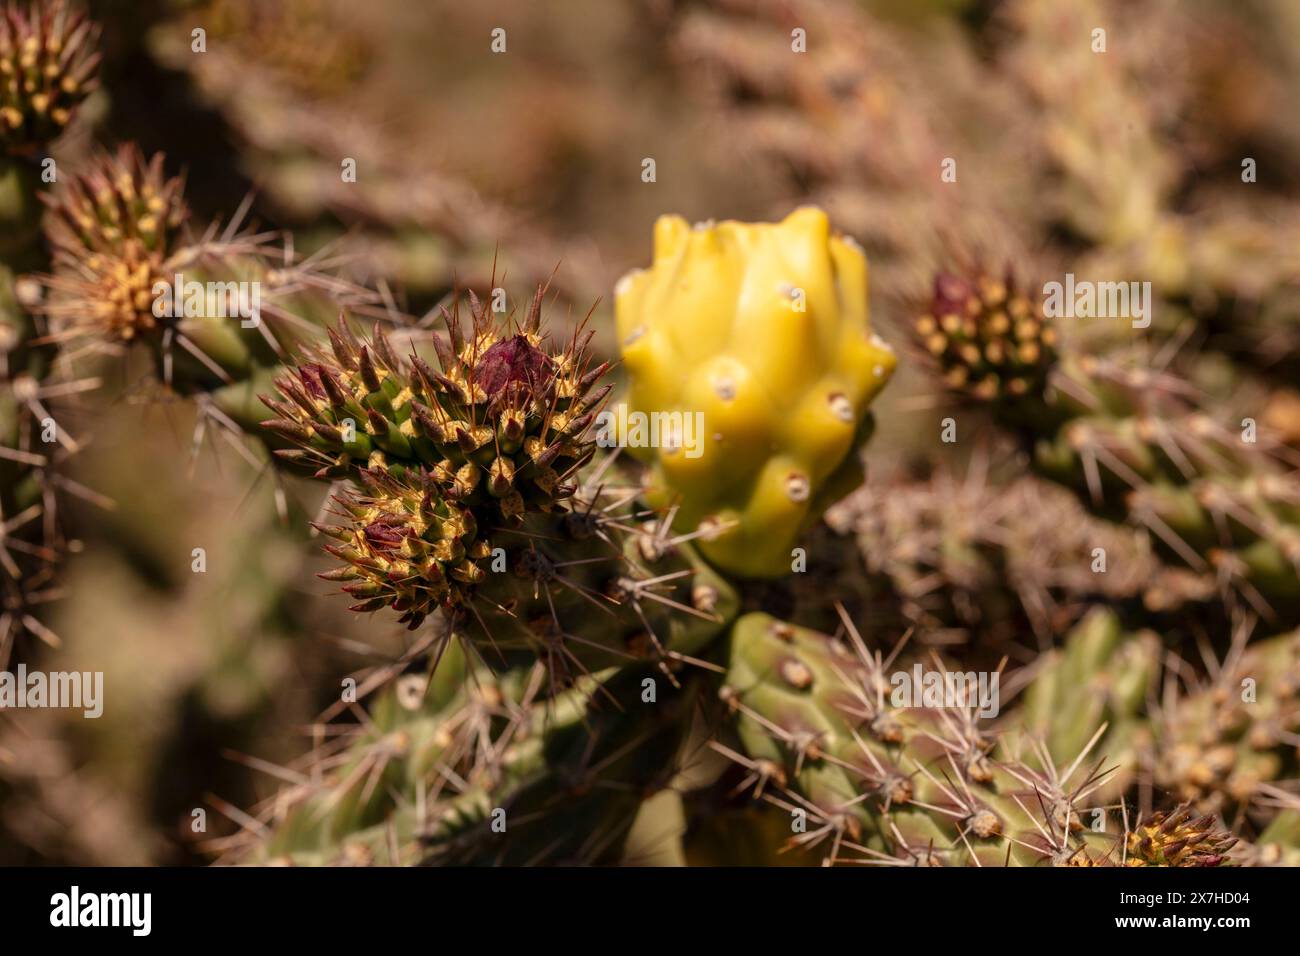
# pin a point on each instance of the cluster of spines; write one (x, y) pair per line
(405, 546)
(503, 421)
(1179, 838)
(112, 228)
(48, 65)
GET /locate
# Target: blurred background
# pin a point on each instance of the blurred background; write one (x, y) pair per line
(530, 162)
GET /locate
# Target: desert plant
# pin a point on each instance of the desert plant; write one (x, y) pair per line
(579, 667)
(1128, 435)
(48, 65)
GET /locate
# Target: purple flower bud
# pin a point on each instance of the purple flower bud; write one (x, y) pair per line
(515, 363)
(386, 534)
(951, 293)
(310, 377)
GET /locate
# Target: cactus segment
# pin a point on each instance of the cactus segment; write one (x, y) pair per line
(496, 774)
(896, 785)
(1227, 745)
(1100, 677)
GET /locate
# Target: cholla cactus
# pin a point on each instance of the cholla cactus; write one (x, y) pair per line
(969, 556)
(1178, 838)
(898, 785)
(48, 64)
(114, 231)
(761, 333)
(1228, 745)
(499, 423)
(481, 770)
(1130, 439)
(550, 586)
(218, 312)
(472, 498)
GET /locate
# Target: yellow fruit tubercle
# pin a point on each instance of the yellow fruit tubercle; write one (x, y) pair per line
(751, 366)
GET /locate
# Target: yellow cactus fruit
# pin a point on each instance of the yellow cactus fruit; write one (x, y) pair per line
(751, 365)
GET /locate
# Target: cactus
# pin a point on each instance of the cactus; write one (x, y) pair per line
(119, 231)
(467, 479)
(974, 557)
(48, 65)
(1176, 838)
(896, 785)
(120, 238)
(1129, 438)
(553, 653)
(1101, 677)
(569, 612)
(1227, 744)
(771, 322)
(483, 769)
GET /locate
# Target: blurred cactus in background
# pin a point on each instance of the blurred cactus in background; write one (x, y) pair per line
(652, 569)
(48, 64)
